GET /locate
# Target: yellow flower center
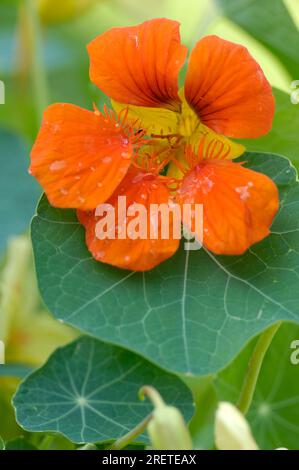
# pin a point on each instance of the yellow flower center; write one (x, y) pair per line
(188, 121)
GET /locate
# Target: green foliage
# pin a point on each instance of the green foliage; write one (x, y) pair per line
(88, 391)
(194, 312)
(284, 136)
(270, 23)
(19, 444)
(274, 414)
(18, 189)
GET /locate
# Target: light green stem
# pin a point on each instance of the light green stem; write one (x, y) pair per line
(46, 442)
(254, 368)
(125, 440)
(38, 71)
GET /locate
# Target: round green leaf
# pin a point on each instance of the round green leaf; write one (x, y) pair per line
(194, 312)
(88, 391)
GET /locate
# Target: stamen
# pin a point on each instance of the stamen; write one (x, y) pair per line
(213, 150)
(179, 165)
(174, 140)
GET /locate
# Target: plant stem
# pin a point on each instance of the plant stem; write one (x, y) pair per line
(46, 442)
(254, 368)
(38, 71)
(123, 441)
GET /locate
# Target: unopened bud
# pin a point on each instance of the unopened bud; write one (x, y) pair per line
(232, 432)
(167, 429)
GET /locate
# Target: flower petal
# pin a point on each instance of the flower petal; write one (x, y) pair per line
(238, 204)
(139, 65)
(79, 156)
(120, 245)
(228, 89)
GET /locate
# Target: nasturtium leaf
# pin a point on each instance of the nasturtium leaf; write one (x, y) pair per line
(274, 414)
(194, 312)
(270, 23)
(284, 136)
(18, 190)
(88, 391)
(2, 445)
(202, 424)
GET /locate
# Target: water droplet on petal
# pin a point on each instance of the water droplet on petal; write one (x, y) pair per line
(64, 191)
(125, 155)
(107, 159)
(57, 165)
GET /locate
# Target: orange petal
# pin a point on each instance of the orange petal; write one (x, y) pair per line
(139, 65)
(79, 156)
(238, 204)
(145, 252)
(228, 89)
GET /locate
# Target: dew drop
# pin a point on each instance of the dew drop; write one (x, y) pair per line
(243, 191)
(107, 159)
(99, 185)
(125, 155)
(56, 128)
(57, 165)
(64, 191)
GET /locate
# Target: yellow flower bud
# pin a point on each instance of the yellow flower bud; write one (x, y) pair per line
(56, 11)
(167, 429)
(232, 432)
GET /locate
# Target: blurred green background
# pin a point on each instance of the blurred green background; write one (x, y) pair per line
(43, 59)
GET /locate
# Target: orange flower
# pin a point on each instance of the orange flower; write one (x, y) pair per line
(162, 145)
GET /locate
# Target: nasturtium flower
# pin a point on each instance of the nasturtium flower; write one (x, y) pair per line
(161, 144)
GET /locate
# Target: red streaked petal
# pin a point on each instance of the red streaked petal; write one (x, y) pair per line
(228, 89)
(238, 204)
(133, 254)
(79, 156)
(139, 65)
